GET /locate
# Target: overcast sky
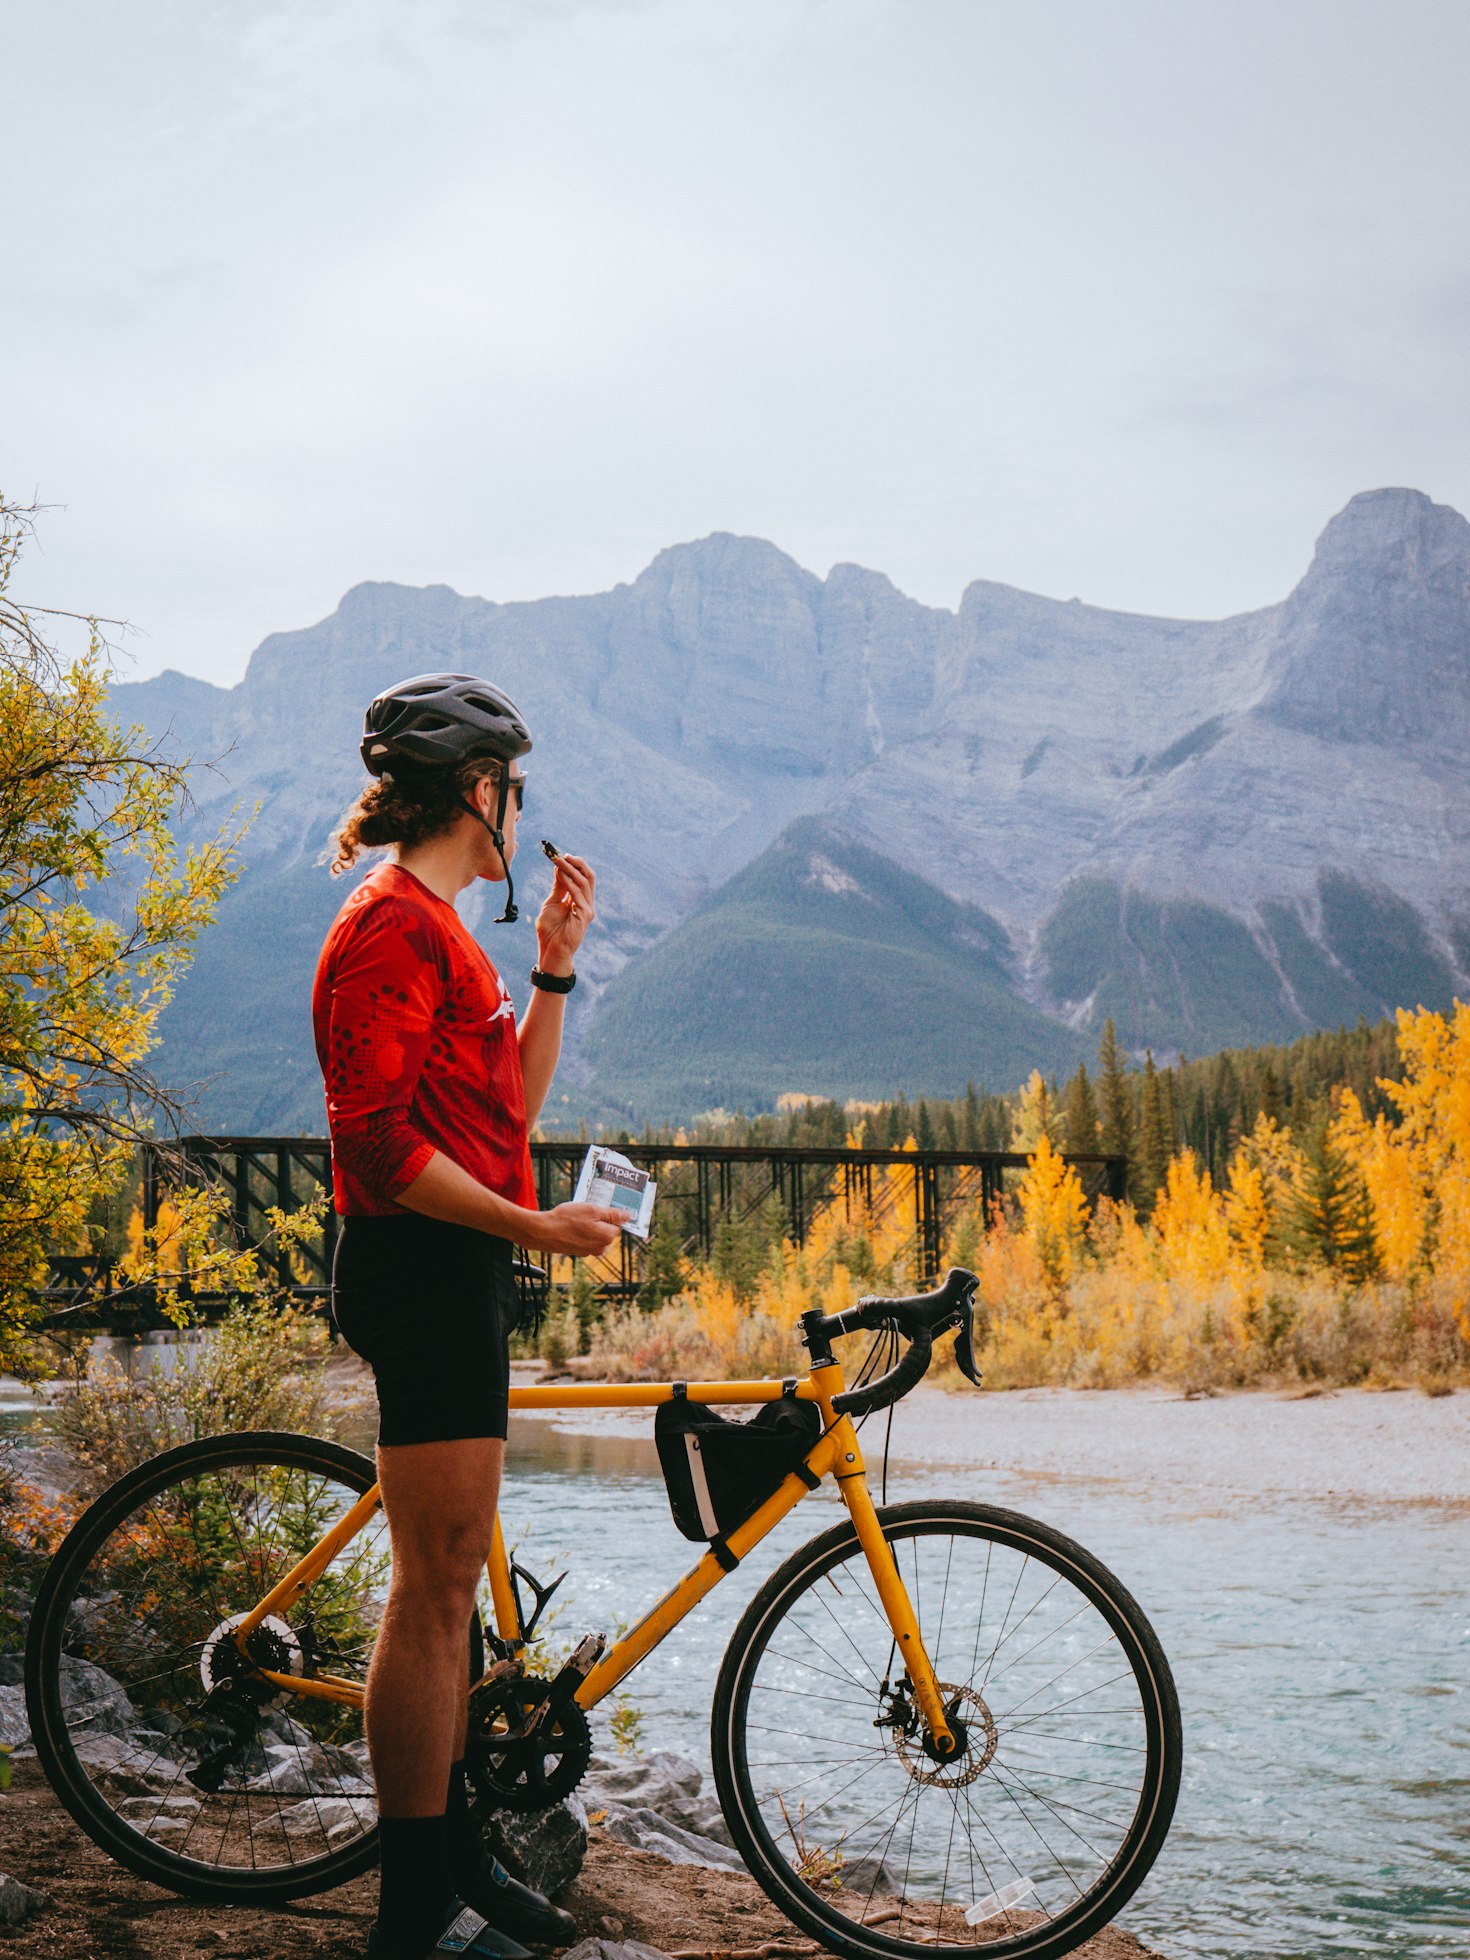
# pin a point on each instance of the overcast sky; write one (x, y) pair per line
(1119, 300)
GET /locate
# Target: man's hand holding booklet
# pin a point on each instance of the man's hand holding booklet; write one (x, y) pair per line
(607, 1178)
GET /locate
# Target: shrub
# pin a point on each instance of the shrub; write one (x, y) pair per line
(259, 1368)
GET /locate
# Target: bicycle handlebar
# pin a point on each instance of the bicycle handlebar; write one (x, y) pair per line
(920, 1318)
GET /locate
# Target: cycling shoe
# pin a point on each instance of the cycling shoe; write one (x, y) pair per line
(512, 1907)
(464, 1931)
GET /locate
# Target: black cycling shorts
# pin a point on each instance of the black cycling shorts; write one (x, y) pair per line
(429, 1307)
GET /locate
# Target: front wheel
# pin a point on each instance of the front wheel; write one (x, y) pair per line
(1044, 1825)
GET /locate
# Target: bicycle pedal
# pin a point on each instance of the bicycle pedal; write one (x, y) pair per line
(586, 1654)
(570, 1676)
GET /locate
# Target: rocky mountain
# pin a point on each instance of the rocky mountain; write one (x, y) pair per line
(849, 843)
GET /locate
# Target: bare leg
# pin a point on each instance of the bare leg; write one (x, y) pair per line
(440, 1502)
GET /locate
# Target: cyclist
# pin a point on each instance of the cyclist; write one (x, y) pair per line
(431, 1088)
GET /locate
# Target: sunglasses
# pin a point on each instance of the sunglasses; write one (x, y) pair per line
(518, 791)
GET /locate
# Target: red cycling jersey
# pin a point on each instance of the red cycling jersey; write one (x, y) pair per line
(416, 1037)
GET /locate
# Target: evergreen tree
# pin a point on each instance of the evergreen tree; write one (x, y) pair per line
(742, 1246)
(1329, 1216)
(1079, 1116)
(663, 1269)
(1116, 1114)
(1153, 1146)
(924, 1126)
(585, 1307)
(1271, 1100)
(970, 1120)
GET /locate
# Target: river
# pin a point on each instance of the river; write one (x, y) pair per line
(1320, 1651)
(1320, 1645)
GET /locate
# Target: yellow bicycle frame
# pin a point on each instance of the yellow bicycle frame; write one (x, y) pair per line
(836, 1453)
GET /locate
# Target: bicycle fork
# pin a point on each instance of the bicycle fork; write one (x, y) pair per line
(852, 1481)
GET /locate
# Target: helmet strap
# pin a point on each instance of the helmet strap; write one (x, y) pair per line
(497, 838)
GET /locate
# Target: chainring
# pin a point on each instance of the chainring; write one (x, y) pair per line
(514, 1765)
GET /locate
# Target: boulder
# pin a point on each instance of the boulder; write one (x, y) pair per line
(614, 1950)
(308, 1769)
(157, 1816)
(332, 1817)
(15, 1728)
(655, 1803)
(871, 1875)
(18, 1902)
(545, 1849)
(120, 1771)
(645, 1830)
(95, 1704)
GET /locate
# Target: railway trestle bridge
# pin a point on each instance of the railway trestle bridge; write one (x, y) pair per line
(700, 1187)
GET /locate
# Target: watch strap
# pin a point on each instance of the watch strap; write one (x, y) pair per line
(553, 983)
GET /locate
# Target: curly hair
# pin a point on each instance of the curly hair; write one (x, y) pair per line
(409, 808)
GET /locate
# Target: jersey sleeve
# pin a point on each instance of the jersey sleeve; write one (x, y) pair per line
(386, 986)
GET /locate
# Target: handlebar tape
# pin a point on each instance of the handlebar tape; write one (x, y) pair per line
(911, 1369)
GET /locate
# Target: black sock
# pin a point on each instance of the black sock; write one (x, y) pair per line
(467, 1848)
(416, 1886)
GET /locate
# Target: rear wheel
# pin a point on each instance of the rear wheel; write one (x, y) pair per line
(1044, 1825)
(163, 1742)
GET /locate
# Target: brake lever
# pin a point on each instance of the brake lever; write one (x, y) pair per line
(964, 1340)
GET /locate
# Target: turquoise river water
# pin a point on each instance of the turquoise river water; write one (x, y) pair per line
(1320, 1653)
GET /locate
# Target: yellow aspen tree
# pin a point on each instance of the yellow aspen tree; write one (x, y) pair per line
(1054, 1208)
(1433, 1102)
(1400, 1188)
(1189, 1224)
(98, 913)
(1247, 1212)
(1037, 1115)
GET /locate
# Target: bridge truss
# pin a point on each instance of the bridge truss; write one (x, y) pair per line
(700, 1187)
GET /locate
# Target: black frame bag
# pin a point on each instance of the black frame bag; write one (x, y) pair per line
(718, 1472)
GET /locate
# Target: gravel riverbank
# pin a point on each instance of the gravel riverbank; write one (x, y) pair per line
(1343, 1444)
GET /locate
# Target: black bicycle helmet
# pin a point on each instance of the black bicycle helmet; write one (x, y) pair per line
(437, 721)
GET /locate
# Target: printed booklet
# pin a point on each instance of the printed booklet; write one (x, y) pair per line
(607, 1178)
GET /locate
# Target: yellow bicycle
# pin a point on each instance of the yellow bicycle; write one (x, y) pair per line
(938, 1726)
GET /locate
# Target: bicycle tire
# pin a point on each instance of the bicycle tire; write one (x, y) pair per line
(57, 1601)
(787, 1880)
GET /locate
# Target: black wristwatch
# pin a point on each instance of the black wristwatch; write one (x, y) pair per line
(553, 983)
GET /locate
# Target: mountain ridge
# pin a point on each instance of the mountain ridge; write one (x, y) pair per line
(1216, 830)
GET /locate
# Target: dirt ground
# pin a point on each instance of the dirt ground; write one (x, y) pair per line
(100, 1912)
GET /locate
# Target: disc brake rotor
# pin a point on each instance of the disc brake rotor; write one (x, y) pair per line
(981, 1741)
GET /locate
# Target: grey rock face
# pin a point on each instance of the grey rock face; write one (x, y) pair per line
(1004, 752)
(614, 1950)
(15, 1728)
